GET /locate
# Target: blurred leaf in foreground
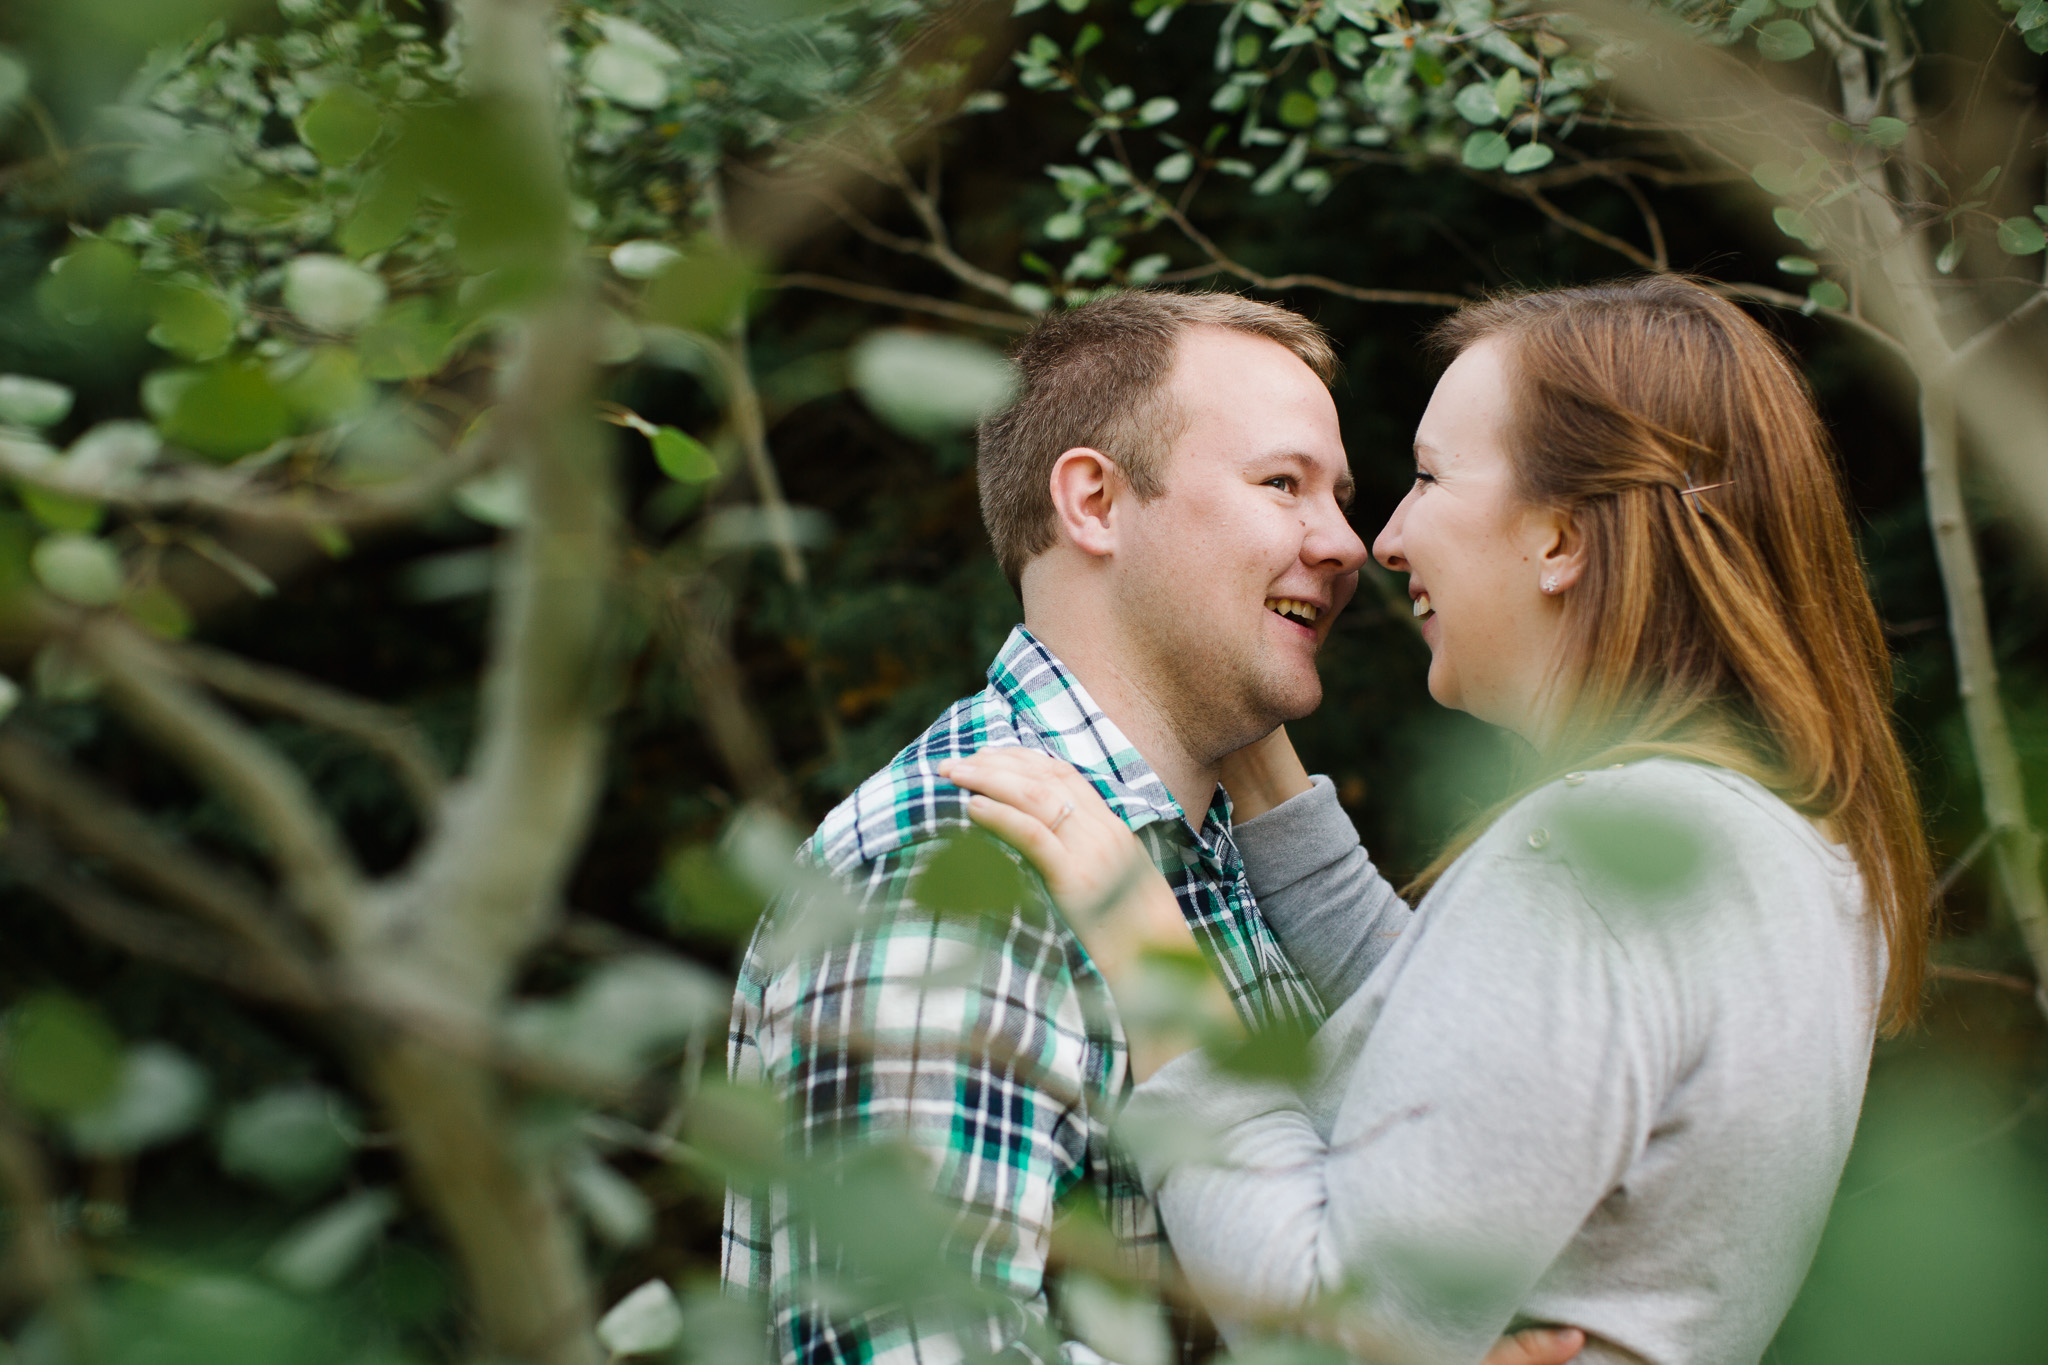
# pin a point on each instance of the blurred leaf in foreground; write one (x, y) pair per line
(61, 1058)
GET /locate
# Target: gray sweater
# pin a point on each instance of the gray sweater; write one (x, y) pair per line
(1606, 1074)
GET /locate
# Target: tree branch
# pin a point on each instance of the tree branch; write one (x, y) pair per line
(48, 1264)
(157, 937)
(380, 729)
(1219, 262)
(1583, 228)
(319, 875)
(915, 303)
(99, 824)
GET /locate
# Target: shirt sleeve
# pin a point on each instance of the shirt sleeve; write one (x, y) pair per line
(1333, 912)
(962, 1038)
(1495, 1084)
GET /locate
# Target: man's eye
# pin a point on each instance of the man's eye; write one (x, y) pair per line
(1281, 481)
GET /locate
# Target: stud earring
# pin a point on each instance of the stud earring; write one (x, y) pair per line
(1550, 584)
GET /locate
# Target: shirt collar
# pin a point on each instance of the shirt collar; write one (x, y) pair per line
(1051, 703)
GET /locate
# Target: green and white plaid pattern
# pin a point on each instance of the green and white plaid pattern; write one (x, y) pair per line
(991, 1047)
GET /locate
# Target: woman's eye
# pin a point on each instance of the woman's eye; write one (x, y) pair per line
(1424, 476)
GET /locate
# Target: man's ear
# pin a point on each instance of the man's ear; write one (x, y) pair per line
(1086, 489)
(1563, 559)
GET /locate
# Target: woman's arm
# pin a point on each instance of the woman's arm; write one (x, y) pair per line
(1334, 914)
(1502, 1088)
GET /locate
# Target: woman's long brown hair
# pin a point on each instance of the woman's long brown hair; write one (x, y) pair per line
(1730, 626)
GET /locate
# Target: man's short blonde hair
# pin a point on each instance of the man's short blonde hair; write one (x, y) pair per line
(1095, 377)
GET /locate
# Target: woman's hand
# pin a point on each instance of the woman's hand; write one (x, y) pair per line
(1104, 883)
(1263, 774)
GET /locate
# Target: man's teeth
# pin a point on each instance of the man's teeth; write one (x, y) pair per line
(1422, 607)
(1305, 612)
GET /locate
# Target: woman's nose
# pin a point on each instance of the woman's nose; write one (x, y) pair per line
(1386, 547)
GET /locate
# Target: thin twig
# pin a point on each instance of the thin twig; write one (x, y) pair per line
(1221, 263)
(914, 303)
(381, 729)
(1583, 228)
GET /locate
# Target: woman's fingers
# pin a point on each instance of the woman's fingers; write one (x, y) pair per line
(1022, 831)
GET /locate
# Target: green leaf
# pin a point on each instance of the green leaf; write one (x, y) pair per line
(160, 1095)
(1157, 110)
(1322, 83)
(321, 384)
(1085, 42)
(230, 409)
(705, 290)
(649, 1320)
(60, 512)
(1950, 256)
(1486, 151)
(1477, 105)
(1784, 40)
(319, 1253)
(407, 341)
(929, 384)
(1793, 223)
(1507, 92)
(1886, 131)
(340, 125)
(682, 456)
(380, 216)
(2021, 237)
(78, 568)
(625, 76)
(14, 81)
(1532, 156)
(330, 294)
(2041, 212)
(1798, 265)
(1174, 169)
(610, 1203)
(1122, 1324)
(495, 499)
(93, 282)
(294, 1140)
(972, 876)
(193, 323)
(644, 258)
(26, 401)
(159, 611)
(1429, 68)
(1775, 177)
(1828, 294)
(1984, 183)
(61, 1058)
(1298, 109)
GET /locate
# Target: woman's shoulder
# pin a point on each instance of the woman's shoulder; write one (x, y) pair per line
(1662, 827)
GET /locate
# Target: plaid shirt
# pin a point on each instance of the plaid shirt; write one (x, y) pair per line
(1007, 1080)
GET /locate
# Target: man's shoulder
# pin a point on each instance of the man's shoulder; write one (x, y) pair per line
(906, 802)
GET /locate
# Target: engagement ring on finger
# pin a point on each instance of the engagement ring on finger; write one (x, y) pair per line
(1066, 809)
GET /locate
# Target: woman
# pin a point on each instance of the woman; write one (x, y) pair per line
(1608, 1072)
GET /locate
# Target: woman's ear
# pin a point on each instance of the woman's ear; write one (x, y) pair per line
(1086, 486)
(1563, 560)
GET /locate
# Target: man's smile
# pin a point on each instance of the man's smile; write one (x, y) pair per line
(1294, 609)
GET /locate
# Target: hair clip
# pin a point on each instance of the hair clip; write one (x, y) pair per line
(1698, 489)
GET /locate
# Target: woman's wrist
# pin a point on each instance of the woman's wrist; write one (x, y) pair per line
(1263, 775)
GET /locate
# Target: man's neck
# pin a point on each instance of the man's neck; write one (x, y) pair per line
(1131, 701)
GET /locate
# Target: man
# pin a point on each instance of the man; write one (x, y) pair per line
(1167, 494)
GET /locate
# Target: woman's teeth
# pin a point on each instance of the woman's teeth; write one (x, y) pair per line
(1422, 607)
(1289, 607)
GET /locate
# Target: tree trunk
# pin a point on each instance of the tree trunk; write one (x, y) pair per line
(2016, 846)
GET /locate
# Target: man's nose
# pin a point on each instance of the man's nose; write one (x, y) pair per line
(1333, 541)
